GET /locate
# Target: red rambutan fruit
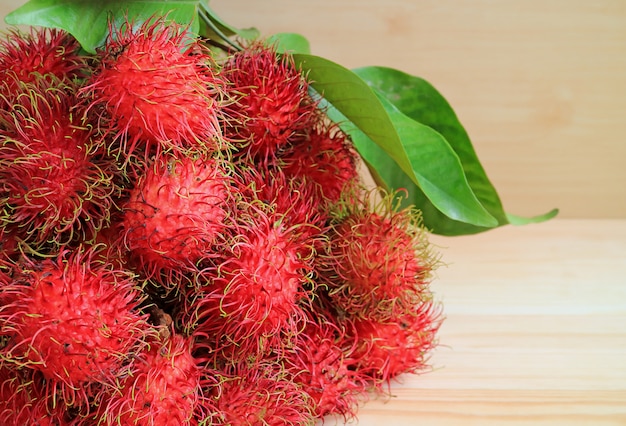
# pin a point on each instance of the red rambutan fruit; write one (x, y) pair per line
(28, 57)
(162, 388)
(378, 262)
(24, 401)
(58, 183)
(74, 320)
(9, 242)
(176, 215)
(270, 101)
(324, 159)
(285, 197)
(157, 89)
(394, 346)
(321, 363)
(259, 394)
(252, 304)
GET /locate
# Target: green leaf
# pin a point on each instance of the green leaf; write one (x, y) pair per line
(89, 21)
(420, 101)
(519, 220)
(215, 28)
(380, 131)
(289, 43)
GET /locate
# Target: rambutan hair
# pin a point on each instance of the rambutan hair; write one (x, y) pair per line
(74, 320)
(378, 262)
(57, 181)
(398, 345)
(25, 399)
(268, 103)
(287, 198)
(253, 302)
(177, 216)
(322, 362)
(324, 159)
(163, 387)
(27, 57)
(156, 90)
(259, 393)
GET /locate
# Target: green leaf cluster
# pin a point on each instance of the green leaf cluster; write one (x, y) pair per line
(406, 132)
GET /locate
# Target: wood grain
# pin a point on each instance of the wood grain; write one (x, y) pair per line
(535, 331)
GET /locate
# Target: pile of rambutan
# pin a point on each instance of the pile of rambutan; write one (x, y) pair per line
(186, 239)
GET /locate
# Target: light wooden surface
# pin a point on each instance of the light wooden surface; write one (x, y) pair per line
(535, 331)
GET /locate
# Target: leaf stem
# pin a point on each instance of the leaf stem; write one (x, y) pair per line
(207, 20)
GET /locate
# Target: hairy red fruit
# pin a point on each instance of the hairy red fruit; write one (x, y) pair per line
(324, 159)
(253, 302)
(24, 400)
(398, 345)
(176, 214)
(108, 246)
(162, 389)
(288, 199)
(379, 261)
(157, 89)
(9, 241)
(28, 57)
(322, 363)
(58, 182)
(259, 394)
(72, 319)
(270, 103)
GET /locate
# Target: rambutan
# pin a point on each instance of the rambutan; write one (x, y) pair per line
(269, 103)
(398, 345)
(9, 241)
(259, 394)
(378, 262)
(24, 400)
(287, 198)
(43, 51)
(157, 90)
(58, 183)
(252, 304)
(176, 215)
(74, 320)
(322, 363)
(324, 159)
(162, 388)
(187, 242)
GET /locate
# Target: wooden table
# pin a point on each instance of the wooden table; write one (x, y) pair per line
(535, 331)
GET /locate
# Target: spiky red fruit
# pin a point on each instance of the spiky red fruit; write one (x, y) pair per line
(252, 303)
(24, 400)
(72, 319)
(324, 159)
(59, 183)
(322, 363)
(9, 241)
(28, 57)
(259, 394)
(391, 347)
(270, 101)
(290, 200)
(176, 214)
(157, 89)
(162, 389)
(379, 260)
